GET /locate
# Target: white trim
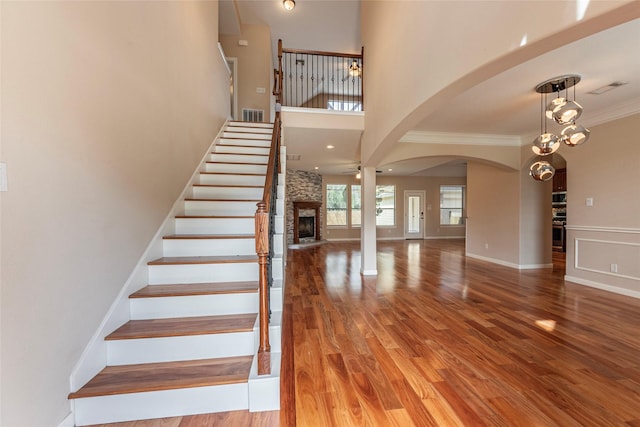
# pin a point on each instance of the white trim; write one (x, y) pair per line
(602, 286)
(320, 111)
(603, 229)
(368, 272)
(224, 58)
(94, 356)
(68, 421)
(443, 237)
(510, 264)
(345, 239)
(424, 137)
(593, 270)
(613, 113)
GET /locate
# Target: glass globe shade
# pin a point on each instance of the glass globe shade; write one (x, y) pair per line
(574, 135)
(553, 106)
(541, 171)
(547, 143)
(567, 113)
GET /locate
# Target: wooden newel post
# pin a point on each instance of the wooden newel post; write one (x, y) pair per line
(262, 250)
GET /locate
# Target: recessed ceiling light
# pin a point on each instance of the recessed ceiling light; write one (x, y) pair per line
(390, 170)
(330, 147)
(316, 167)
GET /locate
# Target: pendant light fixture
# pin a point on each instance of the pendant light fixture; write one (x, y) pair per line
(563, 111)
(288, 4)
(355, 69)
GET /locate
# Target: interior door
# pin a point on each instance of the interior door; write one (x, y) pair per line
(414, 214)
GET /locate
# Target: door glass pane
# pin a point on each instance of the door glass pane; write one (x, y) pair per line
(413, 225)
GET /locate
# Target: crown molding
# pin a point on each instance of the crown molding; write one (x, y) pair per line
(424, 137)
(614, 113)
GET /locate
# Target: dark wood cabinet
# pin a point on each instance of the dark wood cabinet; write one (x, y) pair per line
(560, 180)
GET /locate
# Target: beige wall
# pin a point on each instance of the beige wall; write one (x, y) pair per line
(493, 206)
(107, 108)
(255, 67)
(431, 186)
(606, 169)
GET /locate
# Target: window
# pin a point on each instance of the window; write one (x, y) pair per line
(451, 204)
(385, 204)
(356, 197)
(336, 204)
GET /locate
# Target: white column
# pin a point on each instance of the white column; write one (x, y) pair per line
(368, 248)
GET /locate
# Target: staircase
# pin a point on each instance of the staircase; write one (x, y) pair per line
(190, 344)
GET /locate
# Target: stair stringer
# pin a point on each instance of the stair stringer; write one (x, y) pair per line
(94, 356)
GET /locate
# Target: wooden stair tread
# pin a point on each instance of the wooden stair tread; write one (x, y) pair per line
(213, 216)
(233, 173)
(222, 200)
(247, 139)
(183, 326)
(237, 163)
(146, 377)
(227, 186)
(204, 260)
(208, 236)
(236, 145)
(240, 154)
(192, 289)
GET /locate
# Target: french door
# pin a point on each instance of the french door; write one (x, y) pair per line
(414, 214)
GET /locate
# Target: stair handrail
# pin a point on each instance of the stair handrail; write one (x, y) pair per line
(264, 222)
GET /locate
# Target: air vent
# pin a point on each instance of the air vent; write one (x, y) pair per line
(294, 156)
(250, 115)
(607, 88)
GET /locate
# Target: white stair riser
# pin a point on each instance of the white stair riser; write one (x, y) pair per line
(161, 404)
(231, 179)
(196, 305)
(215, 225)
(208, 247)
(235, 193)
(250, 129)
(170, 349)
(240, 158)
(226, 208)
(239, 149)
(202, 273)
(247, 135)
(244, 141)
(236, 168)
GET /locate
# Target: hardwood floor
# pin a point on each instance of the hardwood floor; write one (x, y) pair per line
(437, 339)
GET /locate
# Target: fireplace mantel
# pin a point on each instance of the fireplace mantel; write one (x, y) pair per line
(305, 204)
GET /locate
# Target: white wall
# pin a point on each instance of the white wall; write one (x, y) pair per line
(107, 107)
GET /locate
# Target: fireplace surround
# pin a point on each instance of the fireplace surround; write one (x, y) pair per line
(305, 204)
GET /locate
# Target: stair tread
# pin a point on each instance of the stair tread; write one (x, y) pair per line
(183, 326)
(246, 138)
(213, 216)
(236, 145)
(237, 163)
(232, 173)
(203, 260)
(222, 200)
(147, 377)
(192, 289)
(227, 186)
(209, 236)
(240, 154)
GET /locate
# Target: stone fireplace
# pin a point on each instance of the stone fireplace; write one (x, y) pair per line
(307, 224)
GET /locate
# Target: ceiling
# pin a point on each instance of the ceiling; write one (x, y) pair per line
(506, 104)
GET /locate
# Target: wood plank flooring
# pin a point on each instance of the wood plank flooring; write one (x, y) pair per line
(437, 339)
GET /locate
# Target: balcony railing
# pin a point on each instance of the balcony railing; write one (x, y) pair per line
(312, 79)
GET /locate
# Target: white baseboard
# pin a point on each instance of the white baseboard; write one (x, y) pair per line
(443, 237)
(369, 272)
(602, 286)
(68, 421)
(509, 264)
